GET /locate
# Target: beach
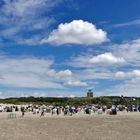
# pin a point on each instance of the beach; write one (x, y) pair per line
(124, 126)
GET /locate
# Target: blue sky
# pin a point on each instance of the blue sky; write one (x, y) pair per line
(65, 47)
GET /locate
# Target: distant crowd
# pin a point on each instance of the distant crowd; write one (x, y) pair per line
(67, 110)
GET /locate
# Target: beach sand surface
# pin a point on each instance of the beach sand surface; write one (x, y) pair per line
(124, 126)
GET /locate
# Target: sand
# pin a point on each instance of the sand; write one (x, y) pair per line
(124, 126)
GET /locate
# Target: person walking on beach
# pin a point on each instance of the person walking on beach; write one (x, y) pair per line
(22, 111)
(42, 112)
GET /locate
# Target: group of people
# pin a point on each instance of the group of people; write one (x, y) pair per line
(67, 110)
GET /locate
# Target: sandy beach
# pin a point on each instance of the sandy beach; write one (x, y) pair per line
(124, 126)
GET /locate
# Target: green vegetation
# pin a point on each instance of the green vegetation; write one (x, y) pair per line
(103, 100)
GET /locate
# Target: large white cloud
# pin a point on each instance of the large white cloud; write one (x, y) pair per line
(106, 58)
(76, 32)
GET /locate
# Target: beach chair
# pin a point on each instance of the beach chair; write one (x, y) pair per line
(11, 115)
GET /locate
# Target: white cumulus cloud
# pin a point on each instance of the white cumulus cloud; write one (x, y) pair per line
(136, 72)
(106, 58)
(76, 32)
(64, 73)
(120, 74)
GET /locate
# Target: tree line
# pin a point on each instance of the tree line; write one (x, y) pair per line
(76, 101)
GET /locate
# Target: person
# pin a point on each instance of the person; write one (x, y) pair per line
(127, 109)
(42, 112)
(57, 111)
(139, 108)
(87, 111)
(22, 111)
(71, 111)
(53, 110)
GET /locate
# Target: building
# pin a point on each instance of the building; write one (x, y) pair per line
(90, 93)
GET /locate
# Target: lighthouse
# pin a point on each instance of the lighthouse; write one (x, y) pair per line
(90, 93)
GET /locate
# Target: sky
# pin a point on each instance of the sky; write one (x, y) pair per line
(62, 48)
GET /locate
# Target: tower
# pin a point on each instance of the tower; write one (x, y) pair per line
(90, 93)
